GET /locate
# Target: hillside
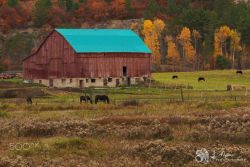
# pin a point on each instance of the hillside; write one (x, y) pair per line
(25, 23)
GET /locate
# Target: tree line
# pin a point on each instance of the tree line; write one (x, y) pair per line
(208, 37)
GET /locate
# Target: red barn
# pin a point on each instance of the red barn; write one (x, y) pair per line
(89, 57)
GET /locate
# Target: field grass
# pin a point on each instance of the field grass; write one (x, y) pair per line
(215, 80)
(158, 130)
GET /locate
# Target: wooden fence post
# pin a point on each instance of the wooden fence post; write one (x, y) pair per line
(182, 98)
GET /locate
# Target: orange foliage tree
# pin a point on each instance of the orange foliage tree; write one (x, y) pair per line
(98, 9)
(118, 8)
(173, 54)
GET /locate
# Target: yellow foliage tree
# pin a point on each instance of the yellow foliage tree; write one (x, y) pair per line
(196, 35)
(152, 31)
(235, 44)
(220, 36)
(185, 40)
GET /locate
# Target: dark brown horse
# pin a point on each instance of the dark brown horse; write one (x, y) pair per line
(239, 72)
(102, 98)
(174, 77)
(201, 79)
(85, 99)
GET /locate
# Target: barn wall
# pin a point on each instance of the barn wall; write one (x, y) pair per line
(57, 59)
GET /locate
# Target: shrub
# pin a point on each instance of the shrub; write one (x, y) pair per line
(66, 143)
(3, 114)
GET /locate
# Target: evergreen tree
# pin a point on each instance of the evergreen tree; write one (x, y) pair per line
(41, 12)
(129, 9)
(12, 3)
(69, 5)
(152, 9)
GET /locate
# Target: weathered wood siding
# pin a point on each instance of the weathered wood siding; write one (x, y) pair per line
(57, 59)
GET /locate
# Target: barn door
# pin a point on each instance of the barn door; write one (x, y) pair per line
(81, 84)
(51, 84)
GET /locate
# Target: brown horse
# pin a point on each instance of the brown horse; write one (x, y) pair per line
(85, 99)
(102, 98)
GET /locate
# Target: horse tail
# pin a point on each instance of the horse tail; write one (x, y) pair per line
(96, 100)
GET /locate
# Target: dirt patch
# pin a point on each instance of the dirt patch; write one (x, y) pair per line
(5, 84)
(233, 128)
(80, 128)
(22, 92)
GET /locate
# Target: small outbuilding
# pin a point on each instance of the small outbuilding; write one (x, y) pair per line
(89, 57)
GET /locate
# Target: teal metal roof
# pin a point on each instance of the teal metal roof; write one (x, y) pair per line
(104, 40)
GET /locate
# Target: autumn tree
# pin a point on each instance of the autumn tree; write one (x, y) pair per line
(118, 8)
(173, 54)
(234, 45)
(196, 38)
(221, 48)
(152, 31)
(185, 40)
(97, 9)
(220, 37)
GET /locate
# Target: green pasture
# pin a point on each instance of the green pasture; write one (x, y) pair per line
(215, 80)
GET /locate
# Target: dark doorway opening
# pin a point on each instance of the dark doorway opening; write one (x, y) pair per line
(124, 71)
(51, 83)
(81, 83)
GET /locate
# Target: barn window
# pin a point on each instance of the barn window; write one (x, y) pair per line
(105, 82)
(93, 80)
(137, 80)
(87, 80)
(63, 81)
(70, 80)
(109, 79)
(117, 82)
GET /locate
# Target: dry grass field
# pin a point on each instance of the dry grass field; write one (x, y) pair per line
(156, 126)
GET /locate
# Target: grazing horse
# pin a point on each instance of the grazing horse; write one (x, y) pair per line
(102, 98)
(28, 100)
(239, 72)
(175, 77)
(201, 79)
(86, 99)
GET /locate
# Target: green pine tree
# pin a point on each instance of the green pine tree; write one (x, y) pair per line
(41, 12)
